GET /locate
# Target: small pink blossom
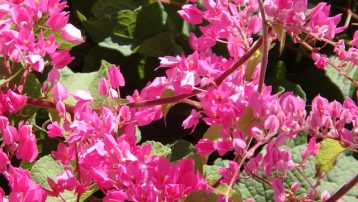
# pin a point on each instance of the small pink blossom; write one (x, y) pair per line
(115, 77)
(192, 120)
(205, 147)
(55, 130)
(61, 58)
(320, 60)
(71, 34)
(354, 41)
(57, 20)
(191, 14)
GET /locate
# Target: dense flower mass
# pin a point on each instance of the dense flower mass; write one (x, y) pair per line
(98, 146)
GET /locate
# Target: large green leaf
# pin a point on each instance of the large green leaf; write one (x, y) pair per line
(346, 87)
(327, 155)
(160, 45)
(151, 20)
(46, 167)
(181, 149)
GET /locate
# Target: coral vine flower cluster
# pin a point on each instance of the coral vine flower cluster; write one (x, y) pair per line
(99, 147)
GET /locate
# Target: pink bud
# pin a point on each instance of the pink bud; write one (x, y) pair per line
(115, 77)
(255, 24)
(36, 61)
(295, 186)
(71, 34)
(103, 87)
(325, 196)
(82, 95)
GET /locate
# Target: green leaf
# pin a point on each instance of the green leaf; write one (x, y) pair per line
(151, 20)
(166, 107)
(160, 45)
(126, 22)
(46, 167)
(346, 87)
(138, 134)
(158, 149)
(327, 155)
(125, 46)
(7, 80)
(105, 7)
(181, 149)
(32, 88)
(287, 85)
(100, 28)
(77, 81)
(279, 70)
(234, 192)
(201, 196)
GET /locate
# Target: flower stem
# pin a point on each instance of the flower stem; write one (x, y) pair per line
(344, 189)
(265, 36)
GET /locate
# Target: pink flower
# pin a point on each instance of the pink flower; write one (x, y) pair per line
(115, 77)
(61, 58)
(53, 76)
(279, 190)
(63, 154)
(115, 195)
(192, 120)
(312, 148)
(354, 41)
(10, 135)
(223, 146)
(204, 147)
(4, 161)
(255, 24)
(57, 20)
(36, 61)
(59, 92)
(54, 130)
(82, 95)
(191, 14)
(272, 123)
(27, 149)
(228, 173)
(23, 188)
(320, 60)
(103, 87)
(15, 101)
(71, 34)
